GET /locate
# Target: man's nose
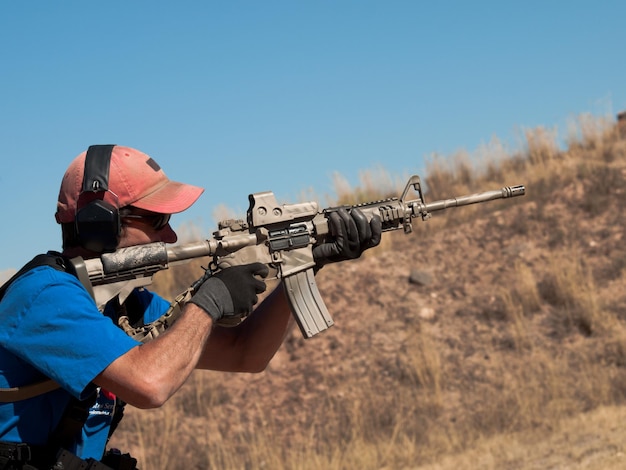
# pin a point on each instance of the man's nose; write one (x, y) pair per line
(168, 235)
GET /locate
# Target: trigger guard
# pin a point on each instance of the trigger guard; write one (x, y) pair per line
(274, 272)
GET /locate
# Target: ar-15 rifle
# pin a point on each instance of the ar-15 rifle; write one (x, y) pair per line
(281, 236)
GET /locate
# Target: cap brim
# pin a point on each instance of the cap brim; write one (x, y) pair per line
(170, 198)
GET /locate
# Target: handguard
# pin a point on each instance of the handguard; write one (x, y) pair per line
(307, 304)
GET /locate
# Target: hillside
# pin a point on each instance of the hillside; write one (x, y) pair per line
(493, 336)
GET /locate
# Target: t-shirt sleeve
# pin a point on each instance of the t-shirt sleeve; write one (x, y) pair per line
(50, 321)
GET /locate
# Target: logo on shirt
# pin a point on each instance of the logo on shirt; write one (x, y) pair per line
(105, 404)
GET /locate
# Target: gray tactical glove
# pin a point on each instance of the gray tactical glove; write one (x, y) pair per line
(352, 235)
(229, 295)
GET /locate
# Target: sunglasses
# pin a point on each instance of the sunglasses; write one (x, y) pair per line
(156, 221)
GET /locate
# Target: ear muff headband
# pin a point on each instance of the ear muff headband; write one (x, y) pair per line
(97, 222)
(97, 165)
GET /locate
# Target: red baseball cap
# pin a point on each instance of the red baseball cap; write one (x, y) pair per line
(134, 179)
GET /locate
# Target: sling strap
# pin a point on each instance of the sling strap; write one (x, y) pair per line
(10, 395)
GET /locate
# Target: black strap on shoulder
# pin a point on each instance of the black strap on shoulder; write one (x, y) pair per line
(52, 258)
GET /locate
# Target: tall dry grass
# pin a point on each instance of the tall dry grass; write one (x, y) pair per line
(551, 316)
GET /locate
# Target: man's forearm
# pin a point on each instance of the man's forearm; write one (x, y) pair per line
(250, 346)
(149, 374)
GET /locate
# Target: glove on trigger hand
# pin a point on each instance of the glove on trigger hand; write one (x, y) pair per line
(352, 233)
(229, 295)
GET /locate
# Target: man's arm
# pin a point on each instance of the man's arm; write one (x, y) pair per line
(149, 374)
(250, 346)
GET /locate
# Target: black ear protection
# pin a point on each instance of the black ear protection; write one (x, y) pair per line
(98, 225)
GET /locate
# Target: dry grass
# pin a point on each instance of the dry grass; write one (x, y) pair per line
(529, 331)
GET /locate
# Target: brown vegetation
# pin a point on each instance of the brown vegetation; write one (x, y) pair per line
(520, 329)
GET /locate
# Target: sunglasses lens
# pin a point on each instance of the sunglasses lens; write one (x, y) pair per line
(160, 221)
(156, 221)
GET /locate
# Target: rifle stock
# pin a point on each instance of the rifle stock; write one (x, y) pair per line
(279, 235)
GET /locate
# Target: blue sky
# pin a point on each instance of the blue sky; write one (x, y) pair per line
(248, 96)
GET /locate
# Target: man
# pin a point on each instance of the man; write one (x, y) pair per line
(113, 197)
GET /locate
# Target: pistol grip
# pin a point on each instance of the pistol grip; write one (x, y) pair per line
(307, 305)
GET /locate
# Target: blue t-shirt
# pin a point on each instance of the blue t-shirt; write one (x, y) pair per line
(50, 328)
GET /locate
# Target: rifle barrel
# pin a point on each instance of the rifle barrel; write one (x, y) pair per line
(506, 192)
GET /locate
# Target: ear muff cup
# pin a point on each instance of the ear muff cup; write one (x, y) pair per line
(98, 224)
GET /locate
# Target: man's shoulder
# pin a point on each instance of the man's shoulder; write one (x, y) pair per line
(47, 274)
(41, 296)
(52, 259)
(41, 278)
